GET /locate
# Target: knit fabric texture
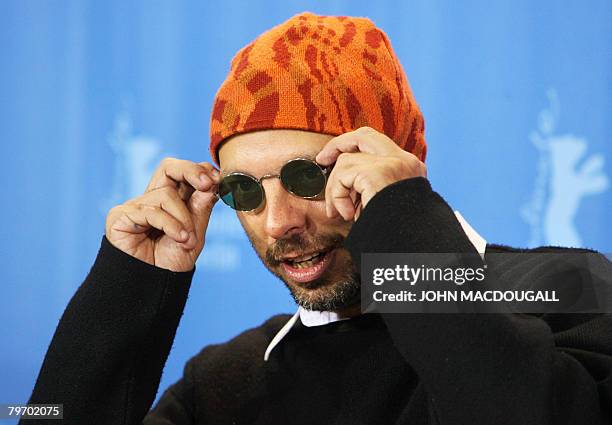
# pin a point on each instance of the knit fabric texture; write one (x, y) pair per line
(327, 74)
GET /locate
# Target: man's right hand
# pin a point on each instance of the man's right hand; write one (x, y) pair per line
(165, 227)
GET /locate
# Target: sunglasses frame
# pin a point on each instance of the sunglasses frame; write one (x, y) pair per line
(324, 170)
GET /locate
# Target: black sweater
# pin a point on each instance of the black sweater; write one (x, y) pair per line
(105, 360)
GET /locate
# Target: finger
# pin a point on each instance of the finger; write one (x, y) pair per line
(364, 139)
(332, 180)
(168, 199)
(341, 199)
(185, 190)
(351, 185)
(338, 193)
(173, 171)
(364, 179)
(141, 218)
(201, 204)
(212, 171)
(345, 143)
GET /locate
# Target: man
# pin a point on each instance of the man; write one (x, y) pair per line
(320, 144)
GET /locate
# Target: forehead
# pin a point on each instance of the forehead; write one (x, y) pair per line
(260, 152)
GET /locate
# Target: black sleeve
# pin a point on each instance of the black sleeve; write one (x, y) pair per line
(176, 406)
(487, 368)
(107, 355)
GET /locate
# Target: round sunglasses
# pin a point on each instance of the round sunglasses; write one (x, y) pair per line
(301, 177)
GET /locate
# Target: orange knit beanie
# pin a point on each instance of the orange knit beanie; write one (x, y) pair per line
(327, 74)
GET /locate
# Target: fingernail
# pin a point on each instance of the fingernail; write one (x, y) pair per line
(215, 174)
(184, 234)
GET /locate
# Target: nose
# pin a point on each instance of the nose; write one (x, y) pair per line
(284, 214)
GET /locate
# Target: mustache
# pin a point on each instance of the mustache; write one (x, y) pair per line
(298, 242)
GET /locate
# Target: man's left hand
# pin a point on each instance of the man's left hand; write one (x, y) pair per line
(366, 161)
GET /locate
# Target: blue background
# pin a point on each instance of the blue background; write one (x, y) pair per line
(516, 98)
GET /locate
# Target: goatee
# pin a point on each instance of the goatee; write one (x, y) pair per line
(337, 288)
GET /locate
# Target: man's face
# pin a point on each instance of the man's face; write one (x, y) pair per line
(287, 230)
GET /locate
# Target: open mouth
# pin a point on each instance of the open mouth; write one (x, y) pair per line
(307, 267)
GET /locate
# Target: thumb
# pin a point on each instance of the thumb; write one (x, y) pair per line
(201, 205)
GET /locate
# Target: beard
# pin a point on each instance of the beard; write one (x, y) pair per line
(337, 288)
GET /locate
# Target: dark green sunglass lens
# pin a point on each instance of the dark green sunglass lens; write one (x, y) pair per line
(240, 192)
(303, 178)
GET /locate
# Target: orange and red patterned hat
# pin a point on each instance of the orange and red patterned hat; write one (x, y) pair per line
(327, 74)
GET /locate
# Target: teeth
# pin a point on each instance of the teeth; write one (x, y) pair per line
(304, 264)
(309, 262)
